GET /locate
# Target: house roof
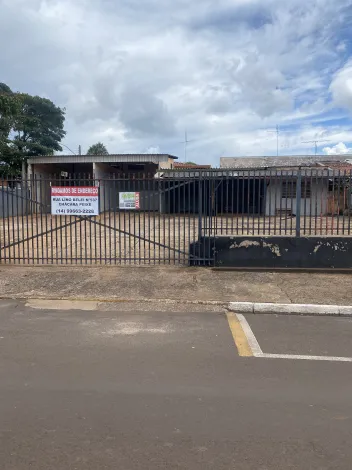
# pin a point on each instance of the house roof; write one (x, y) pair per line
(113, 158)
(268, 173)
(338, 166)
(191, 166)
(280, 162)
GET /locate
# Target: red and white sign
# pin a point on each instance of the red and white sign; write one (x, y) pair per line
(75, 200)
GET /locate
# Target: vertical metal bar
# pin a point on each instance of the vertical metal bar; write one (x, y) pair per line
(200, 216)
(259, 203)
(349, 195)
(32, 196)
(8, 218)
(46, 216)
(248, 201)
(288, 190)
(185, 220)
(293, 198)
(190, 217)
(298, 203)
(152, 229)
(282, 187)
(43, 193)
(344, 206)
(243, 203)
(214, 209)
(79, 226)
(21, 234)
(277, 190)
(306, 192)
(3, 218)
(310, 200)
(149, 232)
(163, 203)
(12, 225)
(316, 189)
(18, 246)
(174, 254)
(169, 209)
(268, 194)
(114, 203)
(227, 205)
(237, 201)
(144, 217)
(338, 201)
(119, 218)
(252, 198)
(74, 183)
(36, 221)
(178, 215)
(327, 196)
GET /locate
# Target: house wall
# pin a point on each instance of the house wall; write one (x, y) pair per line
(150, 196)
(316, 204)
(13, 202)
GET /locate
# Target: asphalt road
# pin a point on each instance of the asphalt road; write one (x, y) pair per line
(153, 390)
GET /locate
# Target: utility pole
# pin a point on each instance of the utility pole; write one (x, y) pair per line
(315, 142)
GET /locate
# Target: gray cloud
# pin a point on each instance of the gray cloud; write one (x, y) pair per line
(137, 73)
(144, 114)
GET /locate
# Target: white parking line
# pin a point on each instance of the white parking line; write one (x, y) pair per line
(257, 351)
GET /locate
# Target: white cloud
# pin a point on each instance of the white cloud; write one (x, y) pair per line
(341, 87)
(338, 149)
(136, 73)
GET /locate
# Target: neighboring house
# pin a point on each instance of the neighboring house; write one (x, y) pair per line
(272, 187)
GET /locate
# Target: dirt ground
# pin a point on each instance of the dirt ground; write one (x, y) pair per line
(137, 238)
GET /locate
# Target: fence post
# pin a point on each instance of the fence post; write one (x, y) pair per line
(298, 203)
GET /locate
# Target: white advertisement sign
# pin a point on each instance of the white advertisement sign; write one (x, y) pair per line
(75, 200)
(129, 201)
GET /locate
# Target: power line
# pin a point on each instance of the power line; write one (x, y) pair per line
(68, 148)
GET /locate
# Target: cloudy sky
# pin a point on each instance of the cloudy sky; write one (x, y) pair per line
(135, 74)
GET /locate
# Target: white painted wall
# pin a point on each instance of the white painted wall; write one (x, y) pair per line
(315, 205)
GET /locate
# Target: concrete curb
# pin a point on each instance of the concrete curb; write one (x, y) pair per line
(290, 309)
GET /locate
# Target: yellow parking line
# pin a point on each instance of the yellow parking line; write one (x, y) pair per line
(239, 336)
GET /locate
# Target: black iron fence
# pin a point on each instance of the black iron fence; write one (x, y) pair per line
(158, 219)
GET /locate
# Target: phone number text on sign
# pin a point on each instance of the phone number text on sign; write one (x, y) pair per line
(75, 200)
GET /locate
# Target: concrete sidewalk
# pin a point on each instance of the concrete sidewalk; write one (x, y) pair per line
(179, 284)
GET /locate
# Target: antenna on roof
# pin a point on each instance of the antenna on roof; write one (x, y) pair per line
(277, 132)
(185, 142)
(315, 142)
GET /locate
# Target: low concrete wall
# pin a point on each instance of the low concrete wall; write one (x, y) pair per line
(278, 252)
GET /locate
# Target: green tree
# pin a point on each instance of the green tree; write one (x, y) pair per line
(29, 126)
(97, 149)
(9, 109)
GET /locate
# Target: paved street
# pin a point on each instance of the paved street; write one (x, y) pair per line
(114, 389)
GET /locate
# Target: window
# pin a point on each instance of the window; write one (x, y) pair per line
(289, 189)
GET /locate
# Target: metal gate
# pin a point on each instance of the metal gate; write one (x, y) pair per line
(178, 218)
(163, 229)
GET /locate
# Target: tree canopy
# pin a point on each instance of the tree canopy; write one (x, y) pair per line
(97, 149)
(29, 126)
